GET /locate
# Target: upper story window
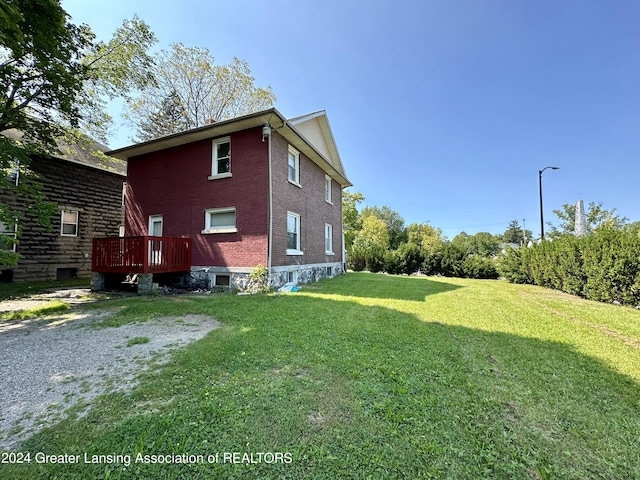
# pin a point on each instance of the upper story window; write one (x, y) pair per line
(220, 220)
(221, 158)
(293, 166)
(69, 221)
(327, 189)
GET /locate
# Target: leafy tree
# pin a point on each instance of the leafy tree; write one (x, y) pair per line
(371, 242)
(189, 82)
(425, 236)
(119, 68)
(515, 234)
(351, 219)
(52, 76)
(595, 217)
(393, 221)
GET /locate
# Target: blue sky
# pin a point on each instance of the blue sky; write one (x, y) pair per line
(442, 110)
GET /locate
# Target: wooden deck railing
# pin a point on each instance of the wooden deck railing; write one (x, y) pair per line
(141, 255)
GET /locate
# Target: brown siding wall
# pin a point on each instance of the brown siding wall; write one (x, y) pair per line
(95, 194)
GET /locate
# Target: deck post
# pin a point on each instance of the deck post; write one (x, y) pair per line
(145, 283)
(97, 281)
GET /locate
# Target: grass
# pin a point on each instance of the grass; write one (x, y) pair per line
(25, 289)
(137, 341)
(54, 306)
(372, 376)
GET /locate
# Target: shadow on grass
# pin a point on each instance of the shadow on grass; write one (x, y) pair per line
(374, 285)
(371, 392)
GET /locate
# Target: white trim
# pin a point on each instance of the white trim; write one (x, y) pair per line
(151, 222)
(215, 174)
(270, 239)
(305, 266)
(12, 234)
(327, 192)
(296, 154)
(63, 223)
(328, 229)
(222, 229)
(221, 270)
(298, 223)
(220, 175)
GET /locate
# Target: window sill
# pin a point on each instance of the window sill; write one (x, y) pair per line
(219, 230)
(328, 201)
(329, 253)
(294, 252)
(294, 183)
(219, 176)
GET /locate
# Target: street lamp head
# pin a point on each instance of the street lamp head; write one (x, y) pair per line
(545, 168)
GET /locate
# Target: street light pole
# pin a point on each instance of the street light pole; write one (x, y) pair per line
(541, 211)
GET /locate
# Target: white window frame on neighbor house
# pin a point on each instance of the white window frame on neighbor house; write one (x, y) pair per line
(153, 220)
(327, 189)
(215, 160)
(211, 226)
(295, 218)
(328, 239)
(69, 218)
(293, 166)
(9, 233)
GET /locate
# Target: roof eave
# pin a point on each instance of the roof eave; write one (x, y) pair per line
(216, 129)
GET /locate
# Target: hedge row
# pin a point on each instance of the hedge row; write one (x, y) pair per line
(602, 266)
(449, 261)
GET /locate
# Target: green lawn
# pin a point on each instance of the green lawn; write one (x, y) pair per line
(372, 376)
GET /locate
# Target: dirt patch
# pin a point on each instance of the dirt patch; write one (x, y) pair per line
(48, 366)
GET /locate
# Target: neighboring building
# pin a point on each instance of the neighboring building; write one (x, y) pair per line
(87, 188)
(258, 189)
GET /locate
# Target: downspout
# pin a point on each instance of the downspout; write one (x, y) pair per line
(270, 239)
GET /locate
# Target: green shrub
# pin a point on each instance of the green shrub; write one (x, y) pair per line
(406, 259)
(475, 266)
(602, 266)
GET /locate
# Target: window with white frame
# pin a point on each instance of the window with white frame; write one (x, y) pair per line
(220, 220)
(328, 239)
(221, 161)
(293, 166)
(69, 223)
(327, 189)
(293, 234)
(155, 225)
(7, 236)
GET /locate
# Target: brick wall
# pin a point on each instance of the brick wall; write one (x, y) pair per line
(308, 201)
(175, 184)
(95, 194)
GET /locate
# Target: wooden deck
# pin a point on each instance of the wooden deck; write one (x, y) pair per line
(141, 255)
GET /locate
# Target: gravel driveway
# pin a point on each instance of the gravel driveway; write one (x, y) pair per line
(48, 365)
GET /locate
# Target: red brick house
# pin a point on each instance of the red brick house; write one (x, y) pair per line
(257, 189)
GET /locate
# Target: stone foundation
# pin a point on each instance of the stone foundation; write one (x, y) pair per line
(212, 278)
